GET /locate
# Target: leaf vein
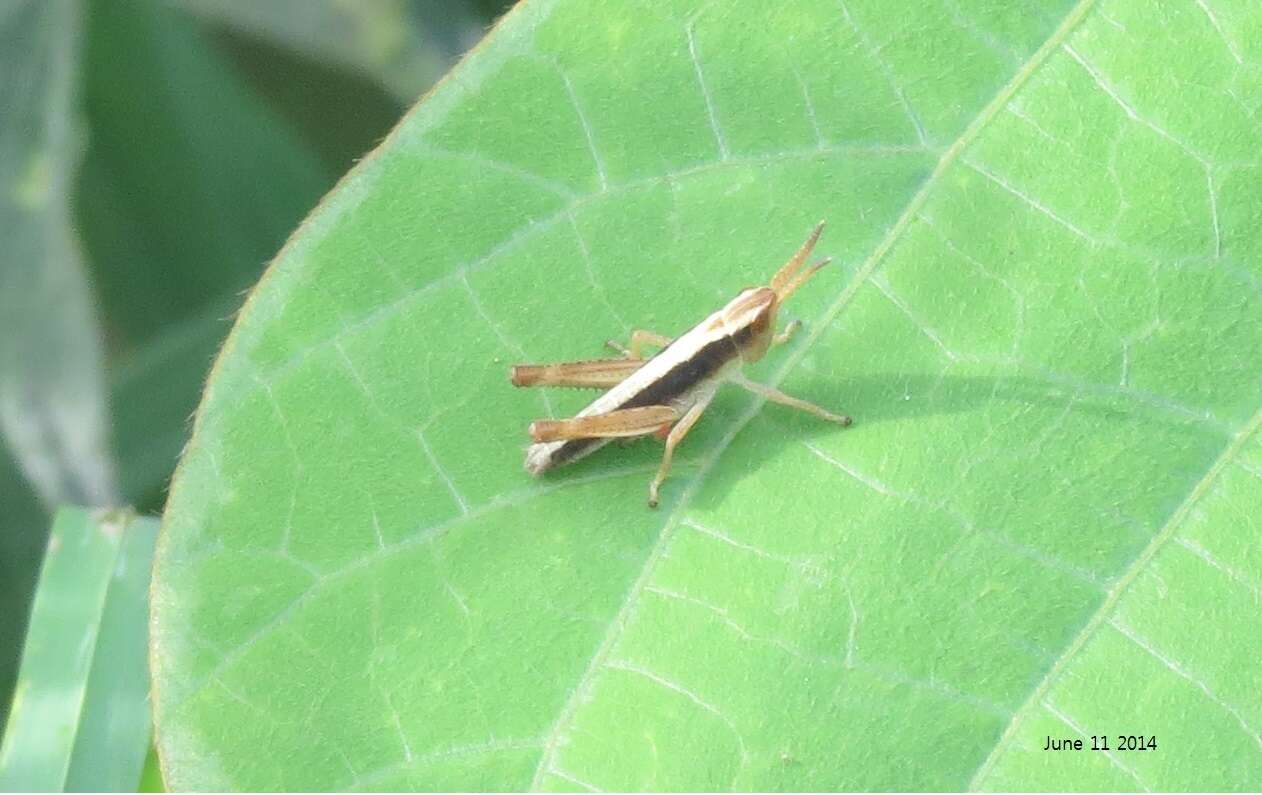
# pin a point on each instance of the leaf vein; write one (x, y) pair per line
(1101, 614)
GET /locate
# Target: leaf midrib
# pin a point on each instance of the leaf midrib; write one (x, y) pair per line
(948, 159)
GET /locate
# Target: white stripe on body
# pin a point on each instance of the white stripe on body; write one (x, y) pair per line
(539, 455)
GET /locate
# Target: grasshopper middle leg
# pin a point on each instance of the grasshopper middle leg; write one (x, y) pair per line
(776, 396)
(676, 436)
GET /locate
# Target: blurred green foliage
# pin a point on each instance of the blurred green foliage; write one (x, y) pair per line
(172, 147)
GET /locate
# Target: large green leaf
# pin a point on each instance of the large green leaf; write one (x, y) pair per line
(1045, 324)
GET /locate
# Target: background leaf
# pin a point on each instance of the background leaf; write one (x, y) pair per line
(191, 182)
(53, 418)
(201, 157)
(199, 210)
(1043, 521)
(80, 719)
(405, 45)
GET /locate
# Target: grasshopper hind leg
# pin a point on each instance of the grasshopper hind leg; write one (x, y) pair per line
(551, 436)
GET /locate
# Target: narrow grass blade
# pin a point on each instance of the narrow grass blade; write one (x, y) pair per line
(80, 715)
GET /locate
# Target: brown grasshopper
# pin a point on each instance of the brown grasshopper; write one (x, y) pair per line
(667, 393)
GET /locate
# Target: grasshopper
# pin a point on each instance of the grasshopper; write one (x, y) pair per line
(664, 395)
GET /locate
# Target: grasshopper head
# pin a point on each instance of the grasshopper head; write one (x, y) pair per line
(750, 320)
(751, 316)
